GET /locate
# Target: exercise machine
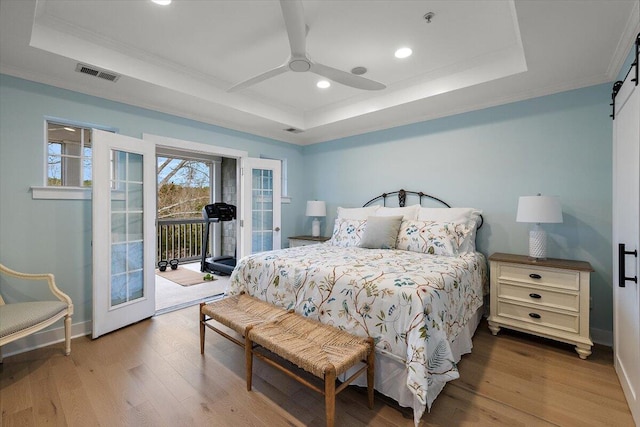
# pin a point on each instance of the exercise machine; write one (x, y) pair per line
(216, 212)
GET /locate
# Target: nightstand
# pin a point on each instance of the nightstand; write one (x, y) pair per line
(306, 240)
(548, 298)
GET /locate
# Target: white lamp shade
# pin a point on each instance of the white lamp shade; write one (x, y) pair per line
(539, 209)
(316, 208)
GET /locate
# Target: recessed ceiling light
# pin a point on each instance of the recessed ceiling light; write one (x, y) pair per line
(323, 84)
(162, 2)
(403, 52)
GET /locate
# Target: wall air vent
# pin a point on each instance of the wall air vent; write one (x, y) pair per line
(97, 72)
(293, 130)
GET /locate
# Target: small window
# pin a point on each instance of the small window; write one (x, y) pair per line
(68, 155)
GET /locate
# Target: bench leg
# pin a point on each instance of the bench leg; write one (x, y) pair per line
(371, 359)
(330, 396)
(201, 329)
(248, 354)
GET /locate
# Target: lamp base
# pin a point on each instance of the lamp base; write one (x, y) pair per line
(538, 243)
(315, 227)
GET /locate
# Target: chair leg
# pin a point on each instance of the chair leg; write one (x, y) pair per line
(201, 329)
(67, 335)
(330, 396)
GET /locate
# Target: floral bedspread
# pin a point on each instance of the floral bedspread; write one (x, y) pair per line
(412, 304)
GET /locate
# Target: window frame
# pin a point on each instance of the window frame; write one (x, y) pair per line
(64, 192)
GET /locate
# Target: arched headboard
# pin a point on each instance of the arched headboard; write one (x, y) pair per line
(402, 199)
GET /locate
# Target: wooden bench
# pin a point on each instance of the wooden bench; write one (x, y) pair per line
(319, 349)
(322, 350)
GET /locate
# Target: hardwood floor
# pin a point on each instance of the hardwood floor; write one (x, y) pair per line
(152, 374)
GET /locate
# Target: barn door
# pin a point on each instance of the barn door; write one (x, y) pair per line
(626, 238)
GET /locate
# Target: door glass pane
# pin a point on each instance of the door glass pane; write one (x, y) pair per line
(262, 210)
(127, 252)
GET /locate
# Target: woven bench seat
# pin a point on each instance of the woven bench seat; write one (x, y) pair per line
(319, 349)
(237, 313)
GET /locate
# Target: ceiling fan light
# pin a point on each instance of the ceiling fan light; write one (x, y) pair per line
(162, 2)
(403, 52)
(323, 84)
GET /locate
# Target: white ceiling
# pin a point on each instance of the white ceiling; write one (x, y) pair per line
(182, 58)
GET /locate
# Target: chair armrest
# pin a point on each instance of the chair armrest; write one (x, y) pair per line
(45, 276)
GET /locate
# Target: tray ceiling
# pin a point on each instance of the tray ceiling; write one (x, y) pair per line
(183, 58)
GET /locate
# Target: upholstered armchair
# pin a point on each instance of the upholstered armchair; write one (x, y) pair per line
(19, 319)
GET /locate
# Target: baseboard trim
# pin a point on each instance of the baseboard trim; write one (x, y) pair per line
(45, 338)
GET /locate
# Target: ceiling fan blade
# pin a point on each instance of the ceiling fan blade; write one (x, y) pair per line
(293, 15)
(345, 78)
(260, 77)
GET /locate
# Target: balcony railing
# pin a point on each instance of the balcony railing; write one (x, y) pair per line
(181, 239)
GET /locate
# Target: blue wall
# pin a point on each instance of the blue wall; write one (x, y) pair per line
(557, 145)
(55, 235)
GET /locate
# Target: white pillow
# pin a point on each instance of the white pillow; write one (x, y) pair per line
(468, 217)
(408, 213)
(357, 213)
(449, 214)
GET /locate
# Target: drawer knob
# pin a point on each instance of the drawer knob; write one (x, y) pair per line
(534, 315)
(535, 276)
(536, 296)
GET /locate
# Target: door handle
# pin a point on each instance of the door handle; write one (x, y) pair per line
(622, 253)
(276, 229)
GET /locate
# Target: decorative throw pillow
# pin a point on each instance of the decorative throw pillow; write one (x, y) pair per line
(381, 232)
(466, 218)
(347, 232)
(430, 237)
(357, 213)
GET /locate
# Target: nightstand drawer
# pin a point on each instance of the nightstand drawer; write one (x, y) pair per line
(564, 279)
(542, 297)
(538, 316)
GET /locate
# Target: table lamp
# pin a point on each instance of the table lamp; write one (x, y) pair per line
(538, 209)
(316, 208)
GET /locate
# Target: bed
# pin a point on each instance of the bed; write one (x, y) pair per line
(415, 286)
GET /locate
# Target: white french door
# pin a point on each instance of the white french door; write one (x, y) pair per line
(626, 238)
(260, 214)
(124, 209)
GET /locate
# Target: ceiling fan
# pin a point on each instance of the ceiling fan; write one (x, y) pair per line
(299, 60)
